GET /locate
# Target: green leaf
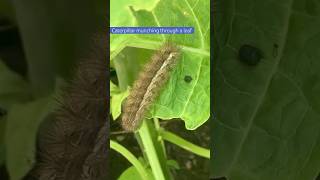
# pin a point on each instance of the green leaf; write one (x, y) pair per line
(173, 164)
(132, 174)
(121, 16)
(22, 125)
(128, 63)
(267, 116)
(113, 89)
(13, 89)
(140, 168)
(188, 101)
(116, 100)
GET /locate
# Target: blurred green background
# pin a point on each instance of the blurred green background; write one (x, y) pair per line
(40, 41)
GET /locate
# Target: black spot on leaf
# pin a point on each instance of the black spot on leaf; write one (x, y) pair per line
(250, 55)
(187, 79)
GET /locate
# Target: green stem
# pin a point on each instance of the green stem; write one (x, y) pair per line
(171, 137)
(153, 151)
(158, 128)
(130, 157)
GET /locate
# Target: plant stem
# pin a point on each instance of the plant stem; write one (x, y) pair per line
(158, 128)
(153, 151)
(171, 137)
(130, 157)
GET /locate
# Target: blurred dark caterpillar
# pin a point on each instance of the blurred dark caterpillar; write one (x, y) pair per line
(73, 144)
(146, 88)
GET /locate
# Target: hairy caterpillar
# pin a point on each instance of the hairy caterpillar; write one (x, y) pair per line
(73, 144)
(147, 86)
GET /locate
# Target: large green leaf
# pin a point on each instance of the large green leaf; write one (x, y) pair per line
(188, 101)
(267, 116)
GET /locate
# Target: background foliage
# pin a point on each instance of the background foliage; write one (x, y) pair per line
(49, 37)
(267, 116)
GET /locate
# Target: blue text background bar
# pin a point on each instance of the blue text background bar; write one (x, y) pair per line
(152, 30)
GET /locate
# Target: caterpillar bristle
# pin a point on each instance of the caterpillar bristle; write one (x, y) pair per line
(70, 144)
(148, 85)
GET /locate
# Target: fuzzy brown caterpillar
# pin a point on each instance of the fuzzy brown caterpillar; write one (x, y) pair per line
(72, 143)
(146, 88)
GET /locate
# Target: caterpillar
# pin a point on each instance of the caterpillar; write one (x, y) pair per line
(148, 84)
(73, 143)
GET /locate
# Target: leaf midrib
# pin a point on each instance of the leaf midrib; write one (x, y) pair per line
(154, 45)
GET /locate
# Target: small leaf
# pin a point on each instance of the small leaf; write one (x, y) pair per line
(13, 89)
(113, 89)
(173, 164)
(132, 174)
(116, 100)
